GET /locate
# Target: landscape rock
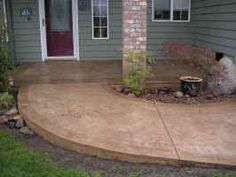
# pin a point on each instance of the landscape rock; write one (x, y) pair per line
(153, 91)
(3, 119)
(187, 96)
(150, 97)
(11, 123)
(12, 111)
(131, 95)
(161, 93)
(118, 88)
(178, 94)
(127, 91)
(26, 131)
(164, 89)
(210, 96)
(228, 85)
(20, 123)
(17, 117)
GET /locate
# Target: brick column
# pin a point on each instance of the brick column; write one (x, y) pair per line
(134, 27)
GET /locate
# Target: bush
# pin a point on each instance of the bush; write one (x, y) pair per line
(4, 57)
(139, 70)
(201, 58)
(6, 101)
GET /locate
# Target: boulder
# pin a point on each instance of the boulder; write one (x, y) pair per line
(3, 119)
(12, 111)
(164, 89)
(26, 131)
(131, 95)
(20, 123)
(11, 123)
(210, 96)
(178, 94)
(228, 84)
(118, 88)
(127, 90)
(17, 117)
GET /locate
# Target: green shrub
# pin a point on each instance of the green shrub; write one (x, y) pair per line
(139, 70)
(6, 101)
(4, 57)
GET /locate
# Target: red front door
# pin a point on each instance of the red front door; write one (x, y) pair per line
(59, 27)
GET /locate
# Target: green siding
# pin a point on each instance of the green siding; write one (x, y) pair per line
(160, 32)
(101, 49)
(26, 33)
(214, 24)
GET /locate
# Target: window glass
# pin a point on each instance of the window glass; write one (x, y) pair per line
(171, 10)
(100, 19)
(96, 11)
(162, 9)
(180, 10)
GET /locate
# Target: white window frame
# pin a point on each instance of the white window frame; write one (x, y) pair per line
(172, 14)
(108, 23)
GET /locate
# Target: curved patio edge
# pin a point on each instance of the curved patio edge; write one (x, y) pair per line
(29, 115)
(62, 142)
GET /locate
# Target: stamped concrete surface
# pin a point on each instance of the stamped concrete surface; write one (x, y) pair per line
(89, 115)
(71, 105)
(204, 133)
(90, 118)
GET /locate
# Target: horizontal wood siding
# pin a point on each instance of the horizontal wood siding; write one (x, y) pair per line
(214, 25)
(26, 33)
(160, 32)
(101, 49)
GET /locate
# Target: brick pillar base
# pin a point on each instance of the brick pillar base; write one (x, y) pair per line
(134, 28)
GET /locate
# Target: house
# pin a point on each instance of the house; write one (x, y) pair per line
(99, 29)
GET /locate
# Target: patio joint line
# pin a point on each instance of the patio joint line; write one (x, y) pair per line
(167, 131)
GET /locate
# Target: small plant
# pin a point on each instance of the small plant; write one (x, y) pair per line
(139, 70)
(6, 101)
(201, 58)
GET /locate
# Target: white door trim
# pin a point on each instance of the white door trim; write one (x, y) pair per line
(43, 33)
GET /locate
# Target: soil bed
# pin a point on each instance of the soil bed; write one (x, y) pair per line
(168, 95)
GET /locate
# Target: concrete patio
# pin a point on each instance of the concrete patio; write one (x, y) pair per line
(71, 105)
(93, 71)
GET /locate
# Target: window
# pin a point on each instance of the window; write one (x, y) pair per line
(171, 10)
(100, 21)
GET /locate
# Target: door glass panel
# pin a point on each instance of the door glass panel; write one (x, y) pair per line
(60, 15)
(59, 27)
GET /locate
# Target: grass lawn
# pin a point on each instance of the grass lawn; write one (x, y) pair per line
(17, 160)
